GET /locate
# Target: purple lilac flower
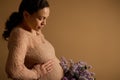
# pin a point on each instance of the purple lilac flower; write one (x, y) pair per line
(76, 71)
(64, 78)
(73, 79)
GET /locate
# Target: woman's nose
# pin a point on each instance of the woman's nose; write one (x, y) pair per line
(44, 22)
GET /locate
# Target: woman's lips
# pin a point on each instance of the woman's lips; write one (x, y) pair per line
(39, 27)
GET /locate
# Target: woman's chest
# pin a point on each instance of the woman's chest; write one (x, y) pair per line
(40, 50)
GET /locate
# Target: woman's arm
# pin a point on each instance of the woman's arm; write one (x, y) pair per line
(15, 68)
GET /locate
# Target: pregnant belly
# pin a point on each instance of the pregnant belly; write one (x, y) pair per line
(55, 74)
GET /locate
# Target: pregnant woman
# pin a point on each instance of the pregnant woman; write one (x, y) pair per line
(31, 56)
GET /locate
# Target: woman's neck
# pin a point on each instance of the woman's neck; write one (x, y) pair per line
(29, 29)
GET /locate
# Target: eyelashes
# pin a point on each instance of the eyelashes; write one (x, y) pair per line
(42, 18)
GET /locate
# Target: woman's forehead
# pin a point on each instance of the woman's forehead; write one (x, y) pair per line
(43, 12)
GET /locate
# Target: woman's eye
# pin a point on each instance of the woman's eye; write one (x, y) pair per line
(40, 18)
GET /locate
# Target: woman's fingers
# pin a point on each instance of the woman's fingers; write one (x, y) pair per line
(44, 68)
(47, 67)
(48, 63)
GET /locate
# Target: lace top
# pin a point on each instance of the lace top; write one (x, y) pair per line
(26, 50)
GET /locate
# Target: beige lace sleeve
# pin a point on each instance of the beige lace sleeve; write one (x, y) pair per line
(17, 46)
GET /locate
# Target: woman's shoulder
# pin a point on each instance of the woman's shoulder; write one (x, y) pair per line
(18, 31)
(18, 34)
(18, 37)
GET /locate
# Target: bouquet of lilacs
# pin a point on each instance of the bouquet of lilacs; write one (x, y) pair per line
(76, 71)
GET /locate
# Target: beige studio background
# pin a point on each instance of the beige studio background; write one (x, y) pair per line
(87, 30)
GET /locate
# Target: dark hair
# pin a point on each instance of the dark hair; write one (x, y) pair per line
(31, 6)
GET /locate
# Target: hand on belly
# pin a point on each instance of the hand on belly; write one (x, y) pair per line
(45, 68)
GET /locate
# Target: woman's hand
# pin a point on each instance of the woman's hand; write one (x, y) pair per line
(43, 69)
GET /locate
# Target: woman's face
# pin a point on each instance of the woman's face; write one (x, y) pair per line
(38, 19)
